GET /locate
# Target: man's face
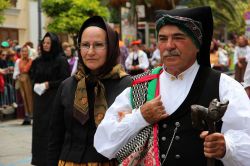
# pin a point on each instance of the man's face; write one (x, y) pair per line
(135, 47)
(177, 50)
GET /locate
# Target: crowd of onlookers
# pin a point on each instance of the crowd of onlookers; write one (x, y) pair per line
(230, 58)
(10, 97)
(14, 62)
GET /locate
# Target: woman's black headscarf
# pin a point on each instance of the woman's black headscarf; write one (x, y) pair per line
(113, 51)
(110, 70)
(56, 48)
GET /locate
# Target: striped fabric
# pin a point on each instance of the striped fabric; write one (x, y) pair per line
(143, 148)
(65, 163)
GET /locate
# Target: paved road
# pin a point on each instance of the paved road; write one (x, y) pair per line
(15, 143)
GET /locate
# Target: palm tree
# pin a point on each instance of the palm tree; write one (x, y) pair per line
(228, 14)
(133, 17)
(224, 11)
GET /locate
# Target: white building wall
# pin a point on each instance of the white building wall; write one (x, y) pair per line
(33, 23)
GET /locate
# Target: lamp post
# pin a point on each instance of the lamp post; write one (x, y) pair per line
(39, 22)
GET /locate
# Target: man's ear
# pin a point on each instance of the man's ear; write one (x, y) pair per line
(197, 51)
(198, 54)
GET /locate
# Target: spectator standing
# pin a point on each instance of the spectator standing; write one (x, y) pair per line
(156, 58)
(32, 51)
(21, 75)
(218, 57)
(137, 61)
(8, 95)
(123, 53)
(71, 58)
(242, 50)
(247, 78)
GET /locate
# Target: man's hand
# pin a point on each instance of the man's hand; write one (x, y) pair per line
(214, 144)
(153, 111)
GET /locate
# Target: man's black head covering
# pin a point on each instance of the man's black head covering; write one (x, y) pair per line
(112, 40)
(201, 17)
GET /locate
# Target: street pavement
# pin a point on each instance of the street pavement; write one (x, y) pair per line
(15, 143)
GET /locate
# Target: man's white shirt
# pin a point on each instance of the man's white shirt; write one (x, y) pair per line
(112, 134)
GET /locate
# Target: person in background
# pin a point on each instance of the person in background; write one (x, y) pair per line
(242, 51)
(156, 126)
(218, 57)
(8, 96)
(15, 45)
(155, 60)
(123, 53)
(229, 47)
(5, 46)
(72, 59)
(137, 61)
(3, 71)
(32, 51)
(247, 77)
(65, 45)
(46, 72)
(21, 75)
(83, 99)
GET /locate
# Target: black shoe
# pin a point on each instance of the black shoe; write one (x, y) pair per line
(26, 122)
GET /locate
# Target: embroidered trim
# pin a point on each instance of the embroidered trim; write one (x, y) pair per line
(191, 27)
(143, 149)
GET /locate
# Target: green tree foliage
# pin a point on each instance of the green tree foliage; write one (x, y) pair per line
(239, 26)
(227, 13)
(68, 15)
(3, 5)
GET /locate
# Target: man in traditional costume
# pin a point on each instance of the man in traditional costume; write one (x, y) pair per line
(150, 122)
(137, 60)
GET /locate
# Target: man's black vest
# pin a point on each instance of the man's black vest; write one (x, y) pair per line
(186, 145)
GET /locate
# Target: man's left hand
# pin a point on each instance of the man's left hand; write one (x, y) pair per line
(214, 144)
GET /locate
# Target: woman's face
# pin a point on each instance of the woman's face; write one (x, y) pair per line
(68, 52)
(25, 52)
(93, 48)
(47, 44)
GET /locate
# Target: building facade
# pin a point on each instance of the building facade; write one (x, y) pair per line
(21, 22)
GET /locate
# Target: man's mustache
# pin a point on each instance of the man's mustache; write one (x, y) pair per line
(168, 53)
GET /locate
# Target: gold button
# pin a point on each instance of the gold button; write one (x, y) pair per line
(172, 78)
(180, 77)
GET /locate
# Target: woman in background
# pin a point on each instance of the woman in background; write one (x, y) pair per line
(47, 72)
(72, 59)
(21, 75)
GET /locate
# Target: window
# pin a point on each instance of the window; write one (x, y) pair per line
(13, 3)
(8, 33)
